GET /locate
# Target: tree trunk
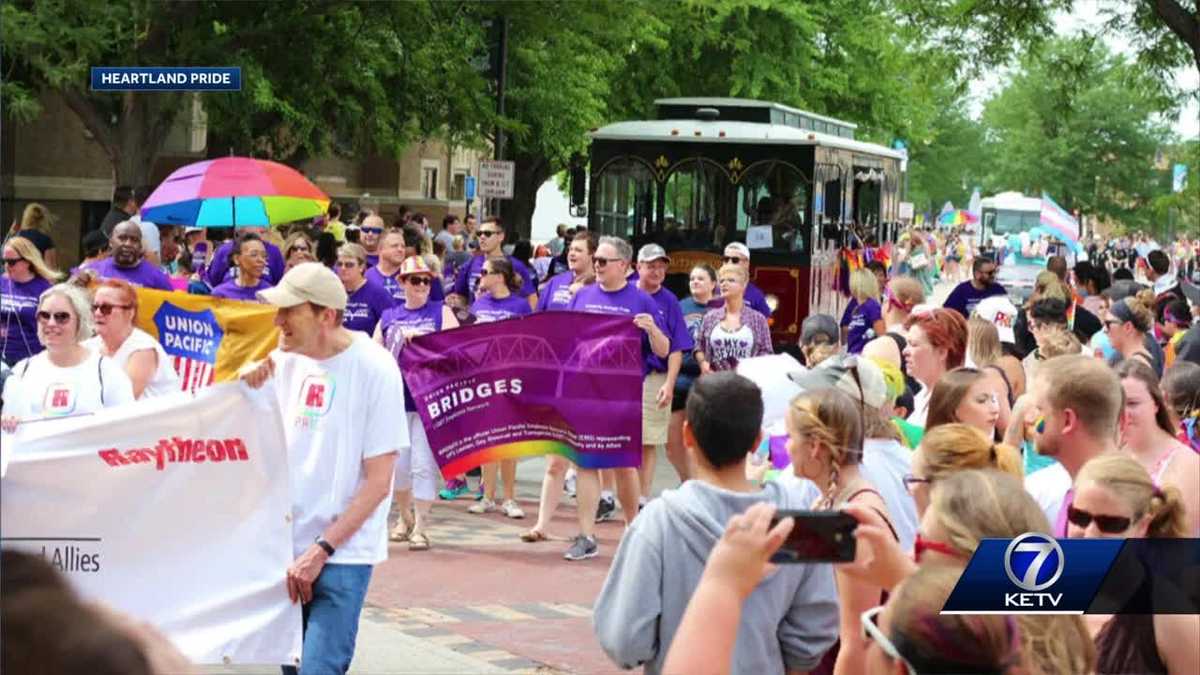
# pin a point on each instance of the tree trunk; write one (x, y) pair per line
(135, 142)
(1182, 23)
(531, 172)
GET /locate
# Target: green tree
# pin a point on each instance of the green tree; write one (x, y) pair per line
(950, 163)
(1083, 125)
(318, 77)
(1179, 212)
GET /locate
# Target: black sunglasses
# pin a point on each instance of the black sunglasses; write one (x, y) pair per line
(488, 233)
(60, 318)
(372, 230)
(732, 259)
(106, 309)
(419, 281)
(1107, 524)
(601, 262)
(13, 261)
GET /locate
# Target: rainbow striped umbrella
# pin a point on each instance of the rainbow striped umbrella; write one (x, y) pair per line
(234, 192)
(957, 217)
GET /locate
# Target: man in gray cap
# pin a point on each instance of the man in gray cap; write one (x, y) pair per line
(328, 382)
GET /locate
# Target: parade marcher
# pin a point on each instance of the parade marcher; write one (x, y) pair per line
(863, 319)
(248, 258)
(702, 284)
(221, 269)
(386, 271)
(124, 207)
(95, 248)
(556, 295)
(416, 469)
(497, 301)
(451, 228)
(1166, 283)
(982, 284)
(1128, 324)
(652, 265)
(790, 618)
(491, 245)
(298, 248)
(35, 226)
(330, 383)
(1149, 432)
(738, 254)
(901, 295)
(1078, 403)
(67, 378)
(371, 231)
(967, 396)
(26, 277)
(150, 369)
(613, 294)
(733, 331)
(1116, 498)
(937, 342)
(128, 261)
(366, 300)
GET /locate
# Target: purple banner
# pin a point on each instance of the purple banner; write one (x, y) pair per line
(567, 383)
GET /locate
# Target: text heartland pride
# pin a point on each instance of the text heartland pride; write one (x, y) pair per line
(176, 450)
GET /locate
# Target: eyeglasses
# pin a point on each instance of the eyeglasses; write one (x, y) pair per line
(873, 632)
(488, 233)
(347, 264)
(303, 248)
(13, 261)
(601, 262)
(372, 230)
(1107, 524)
(60, 318)
(106, 309)
(911, 481)
(418, 281)
(921, 545)
(733, 259)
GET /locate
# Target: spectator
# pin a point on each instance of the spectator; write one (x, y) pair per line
(863, 318)
(734, 331)
(937, 342)
(150, 369)
(95, 248)
(26, 276)
(1166, 284)
(67, 378)
(985, 349)
(818, 339)
(1149, 434)
(1048, 324)
(738, 254)
(330, 384)
(124, 207)
(982, 284)
(1176, 319)
(366, 300)
(949, 448)
(967, 396)
(1128, 324)
(128, 261)
(1116, 498)
(702, 282)
(248, 257)
(900, 296)
(1181, 390)
(298, 248)
(789, 618)
(559, 242)
(35, 226)
(451, 228)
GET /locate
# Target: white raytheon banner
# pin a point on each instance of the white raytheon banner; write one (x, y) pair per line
(175, 510)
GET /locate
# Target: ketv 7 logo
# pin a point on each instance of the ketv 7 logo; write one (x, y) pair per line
(1033, 562)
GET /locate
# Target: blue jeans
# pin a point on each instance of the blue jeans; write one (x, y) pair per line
(331, 620)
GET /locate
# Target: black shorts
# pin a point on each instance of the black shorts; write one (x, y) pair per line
(683, 385)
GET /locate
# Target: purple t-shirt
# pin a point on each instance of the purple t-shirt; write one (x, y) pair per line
(220, 271)
(365, 306)
(143, 274)
(487, 309)
(629, 301)
(757, 300)
(425, 319)
(396, 289)
(372, 259)
(468, 277)
(232, 291)
(676, 327)
(556, 294)
(965, 297)
(18, 317)
(861, 320)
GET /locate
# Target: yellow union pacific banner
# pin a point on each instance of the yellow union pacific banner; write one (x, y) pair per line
(208, 338)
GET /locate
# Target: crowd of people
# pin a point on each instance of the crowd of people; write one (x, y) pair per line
(935, 427)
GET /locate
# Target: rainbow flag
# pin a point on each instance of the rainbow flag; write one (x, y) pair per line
(1060, 223)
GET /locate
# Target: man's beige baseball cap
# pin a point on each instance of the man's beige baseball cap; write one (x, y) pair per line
(307, 282)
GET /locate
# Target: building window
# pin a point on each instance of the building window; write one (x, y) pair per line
(429, 178)
(458, 186)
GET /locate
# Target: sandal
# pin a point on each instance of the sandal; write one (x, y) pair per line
(418, 541)
(533, 536)
(401, 532)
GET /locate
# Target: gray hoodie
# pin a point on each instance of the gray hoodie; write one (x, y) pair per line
(787, 623)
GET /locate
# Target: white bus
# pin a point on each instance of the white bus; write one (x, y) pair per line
(1011, 229)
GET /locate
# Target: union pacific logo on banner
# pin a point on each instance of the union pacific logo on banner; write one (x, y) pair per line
(124, 78)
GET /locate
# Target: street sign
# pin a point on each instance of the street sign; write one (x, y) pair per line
(906, 210)
(496, 178)
(469, 188)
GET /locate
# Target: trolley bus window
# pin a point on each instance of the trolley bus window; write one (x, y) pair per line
(776, 195)
(696, 201)
(624, 200)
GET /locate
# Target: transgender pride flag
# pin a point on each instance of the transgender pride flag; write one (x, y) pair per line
(1058, 221)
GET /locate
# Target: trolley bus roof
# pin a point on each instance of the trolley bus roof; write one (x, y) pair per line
(699, 131)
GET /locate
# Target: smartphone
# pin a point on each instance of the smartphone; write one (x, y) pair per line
(818, 536)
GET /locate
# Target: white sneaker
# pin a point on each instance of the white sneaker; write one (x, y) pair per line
(484, 505)
(512, 510)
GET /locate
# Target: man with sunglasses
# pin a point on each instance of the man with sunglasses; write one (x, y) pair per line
(982, 284)
(1079, 403)
(219, 270)
(613, 294)
(738, 253)
(491, 245)
(128, 261)
(370, 234)
(385, 272)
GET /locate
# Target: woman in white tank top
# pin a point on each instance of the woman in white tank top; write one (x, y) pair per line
(114, 308)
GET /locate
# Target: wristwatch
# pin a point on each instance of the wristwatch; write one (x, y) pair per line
(329, 549)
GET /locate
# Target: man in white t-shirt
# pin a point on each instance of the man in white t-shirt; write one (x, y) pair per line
(326, 381)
